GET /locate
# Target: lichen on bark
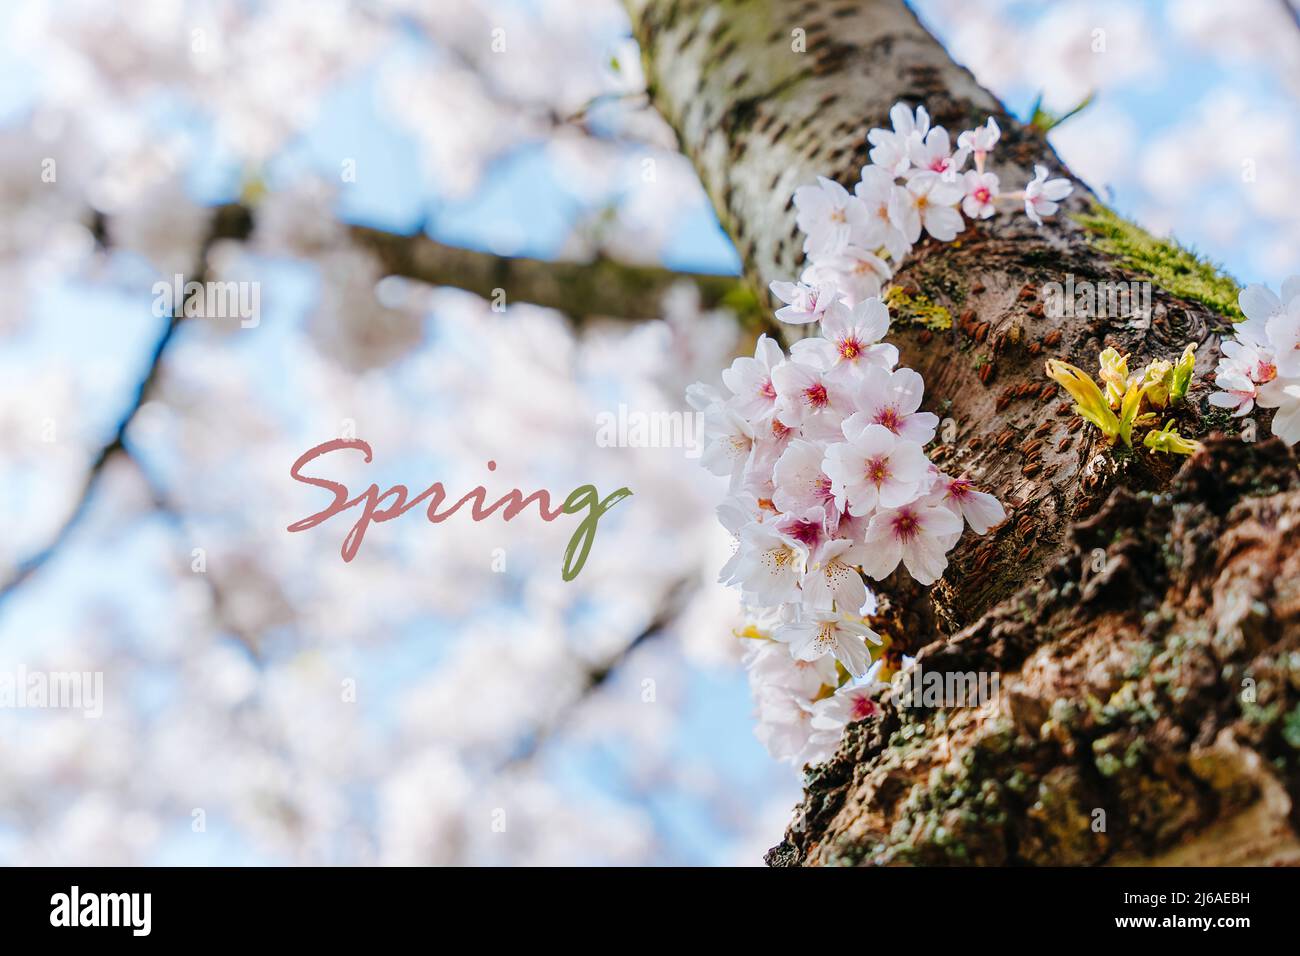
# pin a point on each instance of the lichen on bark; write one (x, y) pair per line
(1150, 684)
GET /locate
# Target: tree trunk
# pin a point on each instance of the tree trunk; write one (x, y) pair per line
(1145, 627)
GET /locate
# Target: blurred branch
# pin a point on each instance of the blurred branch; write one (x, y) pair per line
(168, 508)
(545, 114)
(1292, 11)
(601, 287)
(117, 443)
(599, 675)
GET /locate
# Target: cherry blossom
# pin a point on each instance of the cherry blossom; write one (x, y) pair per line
(805, 302)
(847, 705)
(981, 511)
(981, 191)
(891, 399)
(809, 398)
(891, 149)
(750, 381)
(1260, 365)
(1043, 196)
(935, 154)
(980, 141)
(875, 468)
(914, 534)
(800, 481)
(830, 217)
(928, 203)
(833, 579)
(818, 633)
(853, 270)
(876, 189)
(851, 339)
(771, 565)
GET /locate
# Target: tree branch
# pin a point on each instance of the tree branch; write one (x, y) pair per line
(581, 290)
(600, 675)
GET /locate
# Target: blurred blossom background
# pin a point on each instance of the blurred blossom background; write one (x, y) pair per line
(501, 715)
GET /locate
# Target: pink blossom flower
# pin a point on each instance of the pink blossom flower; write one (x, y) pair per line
(981, 190)
(771, 565)
(851, 338)
(847, 705)
(981, 141)
(805, 302)
(1284, 395)
(934, 154)
(876, 190)
(891, 399)
(809, 399)
(833, 579)
(916, 534)
(818, 633)
(981, 511)
(856, 273)
(875, 469)
(750, 381)
(800, 482)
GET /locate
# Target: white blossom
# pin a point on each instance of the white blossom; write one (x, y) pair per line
(1043, 195)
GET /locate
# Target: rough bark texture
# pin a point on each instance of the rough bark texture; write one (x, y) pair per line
(1122, 688)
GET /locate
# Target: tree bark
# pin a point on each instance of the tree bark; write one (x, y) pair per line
(1121, 606)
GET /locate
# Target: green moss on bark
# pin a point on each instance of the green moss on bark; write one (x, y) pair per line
(1164, 262)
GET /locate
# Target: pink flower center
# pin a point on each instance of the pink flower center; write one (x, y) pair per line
(877, 471)
(779, 431)
(959, 487)
(767, 390)
(805, 532)
(888, 416)
(815, 395)
(906, 527)
(863, 707)
(983, 195)
(822, 488)
(939, 164)
(850, 348)
(1264, 372)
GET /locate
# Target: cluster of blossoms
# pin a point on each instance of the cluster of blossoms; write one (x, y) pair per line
(916, 182)
(1261, 364)
(824, 447)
